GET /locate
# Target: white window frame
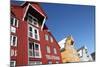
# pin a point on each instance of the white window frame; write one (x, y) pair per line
(33, 22)
(14, 63)
(57, 62)
(13, 29)
(13, 52)
(48, 49)
(36, 34)
(11, 40)
(14, 22)
(33, 32)
(49, 62)
(54, 50)
(80, 52)
(35, 51)
(46, 37)
(34, 63)
(51, 38)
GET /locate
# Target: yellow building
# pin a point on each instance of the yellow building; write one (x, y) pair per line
(69, 53)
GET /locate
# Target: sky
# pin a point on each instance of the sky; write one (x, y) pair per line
(75, 20)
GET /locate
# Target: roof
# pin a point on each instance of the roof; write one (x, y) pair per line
(36, 6)
(83, 47)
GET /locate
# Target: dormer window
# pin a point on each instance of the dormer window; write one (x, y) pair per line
(31, 19)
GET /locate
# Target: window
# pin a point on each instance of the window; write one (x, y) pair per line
(86, 51)
(80, 53)
(14, 22)
(48, 49)
(49, 62)
(51, 39)
(36, 34)
(31, 19)
(33, 32)
(57, 62)
(13, 52)
(46, 37)
(30, 32)
(13, 64)
(55, 51)
(13, 40)
(34, 62)
(34, 50)
(13, 29)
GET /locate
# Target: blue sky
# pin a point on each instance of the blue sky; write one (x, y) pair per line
(77, 20)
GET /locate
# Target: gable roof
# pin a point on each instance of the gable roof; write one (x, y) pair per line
(36, 6)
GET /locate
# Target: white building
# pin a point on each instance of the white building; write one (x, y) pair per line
(62, 43)
(83, 54)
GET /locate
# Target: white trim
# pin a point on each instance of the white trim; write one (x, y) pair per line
(51, 39)
(12, 53)
(39, 50)
(33, 8)
(48, 49)
(55, 51)
(15, 19)
(17, 23)
(40, 56)
(13, 62)
(33, 33)
(31, 63)
(12, 29)
(26, 11)
(46, 37)
(38, 36)
(37, 10)
(11, 41)
(43, 23)
(23, 3)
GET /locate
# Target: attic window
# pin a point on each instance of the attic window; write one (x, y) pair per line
(31, 19)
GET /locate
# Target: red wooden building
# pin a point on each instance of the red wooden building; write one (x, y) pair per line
(31, 41)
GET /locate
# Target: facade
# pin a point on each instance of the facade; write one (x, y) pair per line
(31, 41)
(83, 54)
(68, 51)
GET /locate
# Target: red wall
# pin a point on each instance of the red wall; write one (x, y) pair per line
(22, 47)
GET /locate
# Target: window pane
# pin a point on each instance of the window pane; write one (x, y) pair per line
(30, 29)
(48, 49)
(15, 22)
(12, 19)
(12, 64)
(51, 39)
(49, 62)
(36, 34)
(30, 46)
(14, 40)
(30, 53)
(37, 53)
(46, 37)
(55, 52)
(36, 46)
(35, 31)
